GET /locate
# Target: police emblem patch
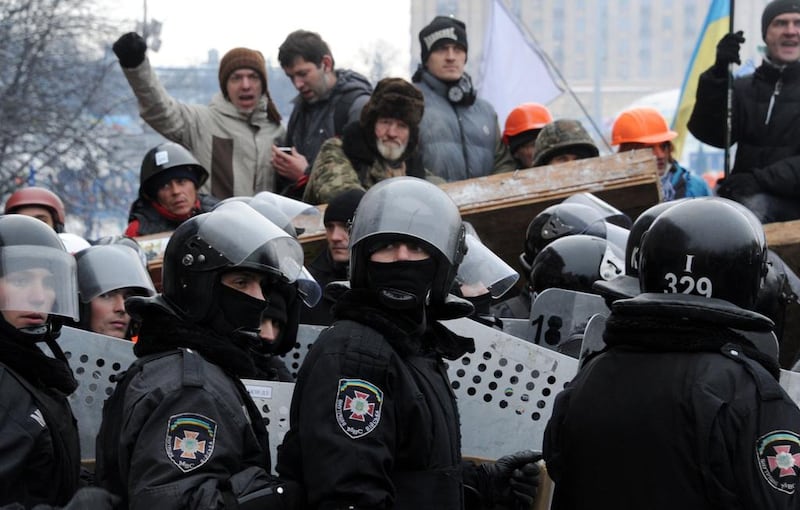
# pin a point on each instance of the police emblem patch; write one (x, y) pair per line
(190, 440)
(358, 407)
(778, 456)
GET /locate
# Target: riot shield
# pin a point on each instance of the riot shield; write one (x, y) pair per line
(94, 359)
(790, 381)
(519, 328)
(558, 313)
(505, 390)
(593, 338)
(306, 335)
(274, 399)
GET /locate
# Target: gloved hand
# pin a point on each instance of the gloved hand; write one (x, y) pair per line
(728, 49)
(94, 498)
(737, 186)
(130, 49)
(511, 481)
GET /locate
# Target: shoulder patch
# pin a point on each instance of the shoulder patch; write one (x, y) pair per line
(778, 456)
(358, 407)
(190, 440)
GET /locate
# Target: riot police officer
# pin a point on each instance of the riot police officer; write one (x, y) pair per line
(374, 423)
(683, 409)
(180, 430)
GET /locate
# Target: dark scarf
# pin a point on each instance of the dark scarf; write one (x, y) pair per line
(403, 334)
(164, 332)
(19, 352)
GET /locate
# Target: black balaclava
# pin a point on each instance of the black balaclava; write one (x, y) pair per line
(404, 285)
(236, 315)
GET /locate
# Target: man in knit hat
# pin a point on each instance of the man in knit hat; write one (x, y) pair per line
(765, 118)
(381, 144)
(327, 100)
(228, 136)
(332, 263)
(459, 133)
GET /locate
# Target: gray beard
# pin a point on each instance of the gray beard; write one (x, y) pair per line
(390, 152)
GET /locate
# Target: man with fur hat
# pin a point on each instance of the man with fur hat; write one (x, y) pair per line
(459, 134)
(227, 136)
(765, 118)
(380, 145)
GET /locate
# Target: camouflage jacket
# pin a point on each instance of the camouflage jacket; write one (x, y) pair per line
(348, 162)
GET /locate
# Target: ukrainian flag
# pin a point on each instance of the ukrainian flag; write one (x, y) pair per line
(717, 24)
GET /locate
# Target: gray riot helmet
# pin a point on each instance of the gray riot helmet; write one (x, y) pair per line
(39, 275)
(105, 268)
(412, 208)
(233, 236)
(168, 161)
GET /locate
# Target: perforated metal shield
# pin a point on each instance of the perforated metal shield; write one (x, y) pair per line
(556, 313)
(306, 335)
(94, 359)
(274, 400)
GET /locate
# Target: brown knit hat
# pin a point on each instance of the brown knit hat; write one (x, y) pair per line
(395, 98)
(238, 58)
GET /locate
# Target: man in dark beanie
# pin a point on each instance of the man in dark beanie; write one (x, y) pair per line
(168, 182)
(380, 145)
(765, 118)
(460, 134)
(227, 136)
(332, 263)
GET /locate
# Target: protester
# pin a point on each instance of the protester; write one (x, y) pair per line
(684, 379)
(764, 119)
(230, 137)
(388, 436)
(646, 128)
(562, 141)
(38, 435)
(523, 126)
(107, 276)
(169, 181)
(180, 429)
(39, 203)
(380, 145)
(459, 134)
(328, 100)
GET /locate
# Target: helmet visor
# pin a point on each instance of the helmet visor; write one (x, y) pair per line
(255, 243)
(106, 268)
(482, 271)
(308, 288)
(38, 279)
(606, 210)
(615, 235)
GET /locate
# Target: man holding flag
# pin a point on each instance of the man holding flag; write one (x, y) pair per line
(765, 118)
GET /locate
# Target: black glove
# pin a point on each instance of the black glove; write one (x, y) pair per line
(94, 498)
(728, 49)
(130, 49)
(512, 481)
(738, 186)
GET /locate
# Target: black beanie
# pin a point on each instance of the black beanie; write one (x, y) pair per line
(343, 206)
(439, 31)
(152, 185)
(776, 8)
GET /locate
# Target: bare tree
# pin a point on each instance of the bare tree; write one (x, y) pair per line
(56, 92)
(378, 60)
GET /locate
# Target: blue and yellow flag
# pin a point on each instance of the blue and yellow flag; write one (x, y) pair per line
(717, 24)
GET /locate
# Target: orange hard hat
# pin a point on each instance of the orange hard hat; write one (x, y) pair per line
(526, 117)
(641, 125)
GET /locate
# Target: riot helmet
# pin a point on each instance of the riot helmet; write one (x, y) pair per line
(566, 219)
(780, 288)
(575, 263)
(204, 247)
(37, 275)
(123, 240)
(41, 197)
(165, 162)
(414, 209)
(707, 247)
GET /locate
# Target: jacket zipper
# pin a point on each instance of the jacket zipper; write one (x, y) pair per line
(775, 93)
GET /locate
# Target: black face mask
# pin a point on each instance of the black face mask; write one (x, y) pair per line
(402, 285)
(238, 312)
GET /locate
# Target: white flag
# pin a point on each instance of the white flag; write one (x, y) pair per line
(513, 70)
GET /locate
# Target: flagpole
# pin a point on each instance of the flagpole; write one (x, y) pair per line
(729, 105)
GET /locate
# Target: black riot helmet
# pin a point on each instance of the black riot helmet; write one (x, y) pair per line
(233, 236)
(106, 268)
(710, 247)
(412, 208)
(640, 226)
(780, 288)
(566, 219)
(575, 263)
(38, 274)
(168, 161)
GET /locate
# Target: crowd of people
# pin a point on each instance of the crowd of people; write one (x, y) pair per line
(676, 403)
